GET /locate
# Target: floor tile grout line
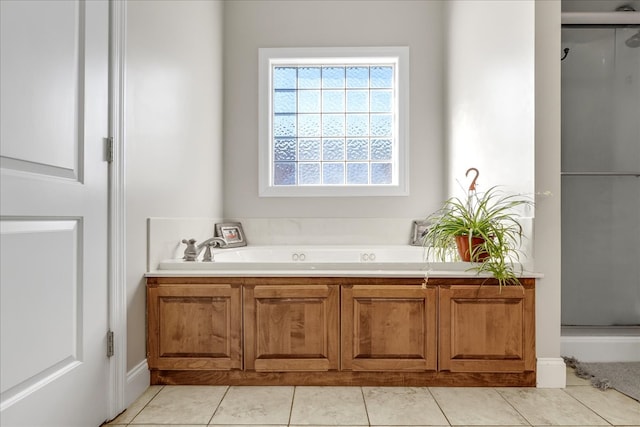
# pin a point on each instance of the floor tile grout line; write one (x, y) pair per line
(218, 405)
(529, 422)
(293, 398)
(366, 409)
(584, 404)
(144, 406)
(439, 407)
(564, 390)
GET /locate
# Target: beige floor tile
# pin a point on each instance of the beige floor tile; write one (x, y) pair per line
(255, 405)
(405, 406)
(475, 406)
(182, 405)
(572, 379)
(611, 405)
(330, 406)
(548, 406)
(136, 407)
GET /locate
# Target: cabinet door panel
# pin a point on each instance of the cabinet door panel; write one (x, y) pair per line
(291, 328)
(388, 328)
(483, 329)
(195, 327)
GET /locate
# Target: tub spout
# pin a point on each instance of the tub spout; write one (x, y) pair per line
(210, 243)
(192, 251)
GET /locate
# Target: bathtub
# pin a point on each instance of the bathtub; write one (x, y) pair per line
(400, 260)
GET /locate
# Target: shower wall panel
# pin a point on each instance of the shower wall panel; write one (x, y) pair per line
(601, 177)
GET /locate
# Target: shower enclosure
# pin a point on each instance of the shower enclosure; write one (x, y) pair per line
(601, 178)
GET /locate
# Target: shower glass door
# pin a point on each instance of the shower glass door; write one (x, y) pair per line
(601, 176)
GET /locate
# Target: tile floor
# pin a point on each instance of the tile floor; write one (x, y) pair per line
(577, 405)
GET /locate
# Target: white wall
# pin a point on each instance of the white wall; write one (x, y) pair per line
(547, 179)
(490, 94)
(173, 130)
(266, 23)
(174, 117)
(503, 117)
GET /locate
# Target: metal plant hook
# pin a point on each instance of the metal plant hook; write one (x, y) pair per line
(472, 187)
(566, 52)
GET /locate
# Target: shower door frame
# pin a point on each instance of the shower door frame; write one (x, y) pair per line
(606, 343)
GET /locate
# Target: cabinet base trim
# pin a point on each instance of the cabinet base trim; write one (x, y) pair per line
(342, 378)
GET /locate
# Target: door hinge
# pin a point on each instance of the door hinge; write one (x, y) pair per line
(109, 343)
(109, 149)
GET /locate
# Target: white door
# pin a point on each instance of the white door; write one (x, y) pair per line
(53, 213)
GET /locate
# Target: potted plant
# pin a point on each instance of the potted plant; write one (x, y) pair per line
(483, 229)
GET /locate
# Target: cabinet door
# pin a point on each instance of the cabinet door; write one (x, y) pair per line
(291, 328)
(194, 327)
(389, 328)
(485, 330)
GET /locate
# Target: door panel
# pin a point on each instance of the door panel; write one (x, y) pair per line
(53, 212)
(485, 329)
(389, 327)
(291, 328)
(195, 327)
(42, 87)
(51, 289)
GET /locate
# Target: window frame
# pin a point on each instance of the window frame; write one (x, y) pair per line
(270, 57)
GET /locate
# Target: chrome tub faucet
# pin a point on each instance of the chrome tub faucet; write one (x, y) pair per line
(192, 251)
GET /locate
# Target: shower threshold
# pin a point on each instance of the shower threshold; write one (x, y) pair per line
(581, 331)
(601, 343)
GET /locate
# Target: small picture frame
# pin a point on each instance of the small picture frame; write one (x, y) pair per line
(231, 233)
(418, 231)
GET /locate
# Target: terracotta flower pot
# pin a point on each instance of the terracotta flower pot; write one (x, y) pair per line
(462, 242)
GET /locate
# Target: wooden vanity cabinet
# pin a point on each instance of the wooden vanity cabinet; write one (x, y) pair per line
(194, 326)
(485, 329)
(373, 331)
(389, 327)
(291, 327)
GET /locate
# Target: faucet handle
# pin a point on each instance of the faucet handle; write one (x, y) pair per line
(190, 252)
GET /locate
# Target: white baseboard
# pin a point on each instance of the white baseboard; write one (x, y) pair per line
(138, 380)
(601, 348)
(551, 373)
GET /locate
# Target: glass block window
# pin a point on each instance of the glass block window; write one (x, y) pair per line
(344, 113)
(333, 123)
